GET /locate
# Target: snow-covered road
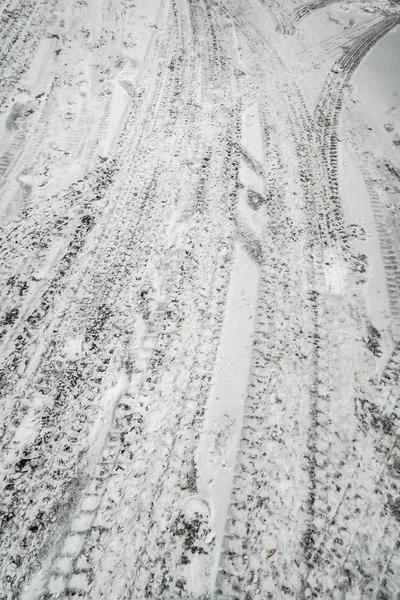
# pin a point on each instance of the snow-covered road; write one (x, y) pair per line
(200, 299)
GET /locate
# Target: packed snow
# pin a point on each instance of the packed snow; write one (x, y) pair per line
(200, 299)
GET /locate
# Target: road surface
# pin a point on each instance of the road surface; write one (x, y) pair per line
(200, 300)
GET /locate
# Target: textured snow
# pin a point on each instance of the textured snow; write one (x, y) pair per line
(200, 299)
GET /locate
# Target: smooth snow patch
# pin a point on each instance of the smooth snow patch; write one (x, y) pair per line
(74, 347)
(119, 104)
(335, 272)
(13, 5)
(144, 26)
(251, 133)
(34, 83)
(333, 20)
(218, 447)
(377, 84)
(251, 171)
(252, 180)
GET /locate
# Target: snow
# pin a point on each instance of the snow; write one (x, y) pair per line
(216, 456)
(200, 299)
(33, 83)
(119, 104)
(360, 212)
(377, 85)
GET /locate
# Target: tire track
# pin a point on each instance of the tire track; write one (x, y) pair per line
(289, 24)
(27, 140)
(277, 12)
(95, 283)
(31, 460)
(20, 38)
(330, 47)
(54, 369)
(312, 177)
(387, 228)
(113, 215)
(327, 251)
(322, 443)
(330, 101)
(318, 580)
(141, 244)
(322, 253)
(345, 554)
(189, 414)
(260, 491)
(327, 114)
(382, 183)
(168, 198)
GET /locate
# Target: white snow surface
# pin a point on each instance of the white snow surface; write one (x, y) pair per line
(200, 299)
